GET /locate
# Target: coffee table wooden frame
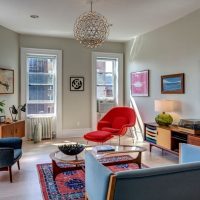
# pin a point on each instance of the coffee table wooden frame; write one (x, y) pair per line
(80, 164)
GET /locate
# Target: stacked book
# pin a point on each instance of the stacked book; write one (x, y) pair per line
(103, 148)
(151, 134)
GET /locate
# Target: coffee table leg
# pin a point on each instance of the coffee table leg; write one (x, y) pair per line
(56, 170)
(138, 160)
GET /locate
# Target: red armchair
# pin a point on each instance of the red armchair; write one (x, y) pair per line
(117, 121)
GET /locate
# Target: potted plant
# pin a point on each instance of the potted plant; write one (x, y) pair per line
(2, 114)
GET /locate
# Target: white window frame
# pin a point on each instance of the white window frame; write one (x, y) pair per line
(24, 78)
(119, 89)
(42, 101)
(114, 79)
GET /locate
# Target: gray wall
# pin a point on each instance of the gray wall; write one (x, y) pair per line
(76, 62)
(9, 58)
(174, 48)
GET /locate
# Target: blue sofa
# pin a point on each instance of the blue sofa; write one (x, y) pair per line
(10, 153)
(175, 182)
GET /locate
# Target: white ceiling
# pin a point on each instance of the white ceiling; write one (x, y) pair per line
(129, 17)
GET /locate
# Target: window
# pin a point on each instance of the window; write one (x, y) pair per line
(41, 88)
(105, 72)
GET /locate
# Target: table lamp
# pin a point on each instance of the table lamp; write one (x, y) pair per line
(14, 111)
(163, 106)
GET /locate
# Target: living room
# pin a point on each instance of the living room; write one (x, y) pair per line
(159, 37)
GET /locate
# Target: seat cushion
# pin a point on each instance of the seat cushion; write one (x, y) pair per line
(17, 154)
(110, 130)
(118, 122)
(98, 136)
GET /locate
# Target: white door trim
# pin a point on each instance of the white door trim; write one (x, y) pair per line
(95, 55)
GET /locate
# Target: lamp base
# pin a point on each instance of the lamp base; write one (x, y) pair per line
(164, 119)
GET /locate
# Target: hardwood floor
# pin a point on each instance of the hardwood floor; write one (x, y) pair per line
(25, 184)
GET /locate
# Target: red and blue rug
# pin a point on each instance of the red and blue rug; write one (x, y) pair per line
(69, 185)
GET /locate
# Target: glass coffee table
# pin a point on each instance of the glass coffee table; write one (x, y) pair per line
(122, 154)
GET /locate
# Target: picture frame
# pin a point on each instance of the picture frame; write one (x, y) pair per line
(77, 83)
(6, 81)
(140, 83)
(173, 84)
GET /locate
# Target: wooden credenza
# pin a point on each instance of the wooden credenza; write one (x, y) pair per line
(168, 137)
(15, 129)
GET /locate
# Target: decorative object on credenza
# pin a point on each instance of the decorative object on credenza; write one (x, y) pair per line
(6, 81)
(15, 111)
(91, 29)
(71, 149)
(76, 83)
(191, 126)
(164, 106)
(140, 83)
(173, 84)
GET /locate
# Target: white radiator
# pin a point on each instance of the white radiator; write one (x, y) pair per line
(43, 125)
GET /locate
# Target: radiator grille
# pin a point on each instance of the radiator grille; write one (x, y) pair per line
(45, 125)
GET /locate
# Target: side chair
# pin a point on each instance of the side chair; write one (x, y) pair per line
(10, 153)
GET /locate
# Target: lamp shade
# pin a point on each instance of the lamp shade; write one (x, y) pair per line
(165, 105)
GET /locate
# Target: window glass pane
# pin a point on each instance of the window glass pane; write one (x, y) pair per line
(101, 94)
(101, 66)
(41, 84)
(109, 66)
(36, 78)
(109, 79)
(45, 108)
(109, 91)
(41, 92)
(100, 79)
(104, 92)
(41, 64)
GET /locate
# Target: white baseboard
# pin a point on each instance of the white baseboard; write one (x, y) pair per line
(74, 132)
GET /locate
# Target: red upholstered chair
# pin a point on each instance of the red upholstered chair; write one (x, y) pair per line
(117, 121)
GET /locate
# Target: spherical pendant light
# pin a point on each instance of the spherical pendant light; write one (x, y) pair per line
(91, 29)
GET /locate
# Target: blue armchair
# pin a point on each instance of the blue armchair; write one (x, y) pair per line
(10, 153)
(175, 182)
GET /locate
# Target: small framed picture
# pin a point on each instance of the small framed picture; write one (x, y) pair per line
(173, 84)
(6, 81)
(76, 83)
(140, 83)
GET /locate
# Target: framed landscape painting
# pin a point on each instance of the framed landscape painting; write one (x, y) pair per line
(173, 84)
(6, 81)
(140, 83)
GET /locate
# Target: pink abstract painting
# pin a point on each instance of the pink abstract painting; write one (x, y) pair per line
(140, 83)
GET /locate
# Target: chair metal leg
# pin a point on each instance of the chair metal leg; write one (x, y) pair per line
(135, 133)
(10, 173)
(18, 165)
(119, 139)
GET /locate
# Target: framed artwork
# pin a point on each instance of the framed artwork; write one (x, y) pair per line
(6, 81)
(140, 83)
(76, 83)
(173, 84)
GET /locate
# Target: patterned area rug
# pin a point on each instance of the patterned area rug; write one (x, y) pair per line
(69, 185)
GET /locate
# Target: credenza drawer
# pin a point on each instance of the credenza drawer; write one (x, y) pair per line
(195, 140)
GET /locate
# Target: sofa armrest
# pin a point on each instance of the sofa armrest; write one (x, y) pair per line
(12, 142)
(189, 153)
(6, 157)
(97, 178)
(102, 124)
